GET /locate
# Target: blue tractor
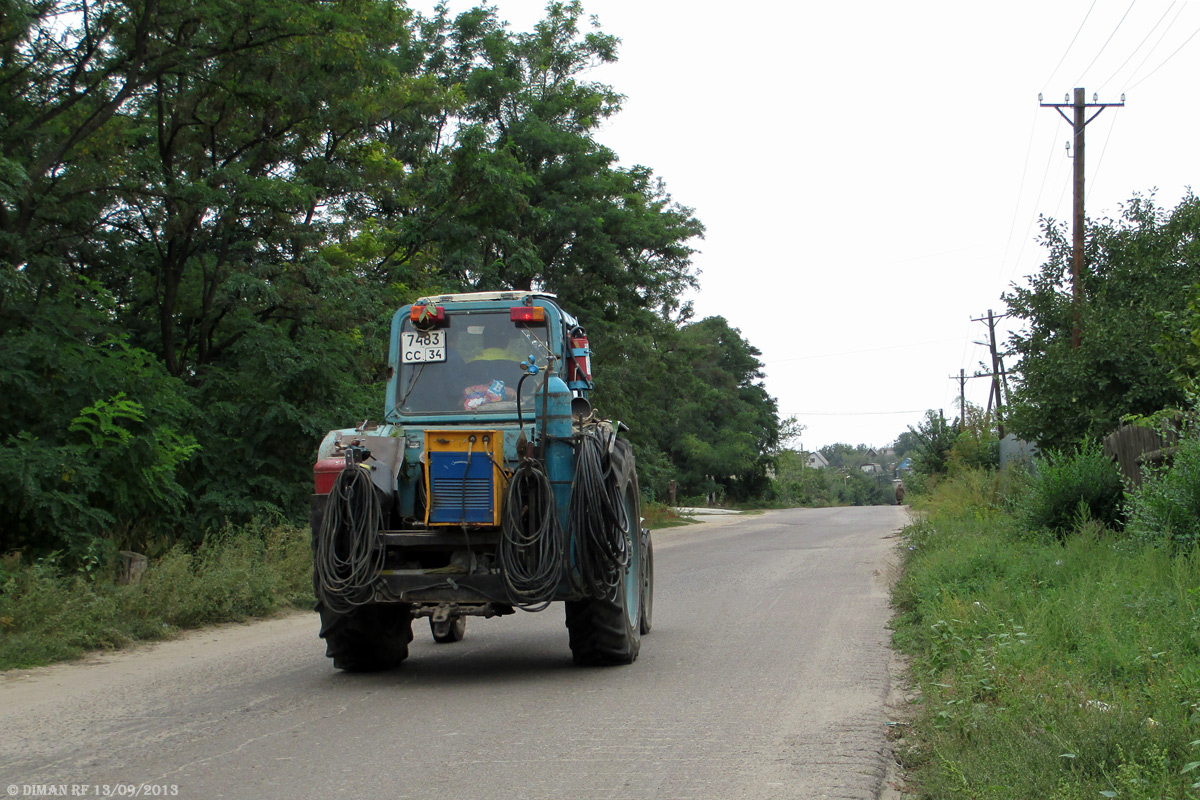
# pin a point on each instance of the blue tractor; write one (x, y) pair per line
(490, 486)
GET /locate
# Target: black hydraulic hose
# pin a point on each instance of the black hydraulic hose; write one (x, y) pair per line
(520, 420)
(531, 541)
(596, 515)
(348, 555)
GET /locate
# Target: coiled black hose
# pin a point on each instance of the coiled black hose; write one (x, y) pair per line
(531, 541)
(596, 515)
(349, 555)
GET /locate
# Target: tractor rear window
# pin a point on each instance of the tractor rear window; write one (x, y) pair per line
(470, 366)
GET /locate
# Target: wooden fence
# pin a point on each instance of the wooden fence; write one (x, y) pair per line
(1136, 448)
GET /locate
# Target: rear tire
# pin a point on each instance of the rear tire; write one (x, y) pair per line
(370, 638)
(607, 631)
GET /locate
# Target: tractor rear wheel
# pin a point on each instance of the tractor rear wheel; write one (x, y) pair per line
(370, 638)
(607, 630)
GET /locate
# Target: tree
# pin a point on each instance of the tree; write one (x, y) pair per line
(934, 438)
(842, 455)
(1180, 345)
(1139, 268)
(176, 177)
(209, 211)
(528, 198)
(702, 415)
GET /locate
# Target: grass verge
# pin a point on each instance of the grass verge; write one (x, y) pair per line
(48, 616)
(657, 515)
(1062, 670)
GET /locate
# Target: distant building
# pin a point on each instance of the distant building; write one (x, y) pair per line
(816, 461)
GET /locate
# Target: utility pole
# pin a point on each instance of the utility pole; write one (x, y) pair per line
(962, 398)
(1078, 124)
(997, 372)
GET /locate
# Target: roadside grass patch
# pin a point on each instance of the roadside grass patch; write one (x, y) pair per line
(657, 515)
(47, 615)
(1046, 669)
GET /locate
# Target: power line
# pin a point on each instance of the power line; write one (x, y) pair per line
(1020, 191)
(853, 413)
(1163, 64)
(1103, 150)
(856, 352)
(1068, 50)
(1036, 203)
(1157, 42)
(1106, 41)
(1139, 47)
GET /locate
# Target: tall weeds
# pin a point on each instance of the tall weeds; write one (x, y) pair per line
(1059, 669)
(48, 614)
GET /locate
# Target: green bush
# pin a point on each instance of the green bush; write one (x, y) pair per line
(93, 441)
(1167, 505)
(1067, 488)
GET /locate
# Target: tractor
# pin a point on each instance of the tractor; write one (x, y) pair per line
(490, 486)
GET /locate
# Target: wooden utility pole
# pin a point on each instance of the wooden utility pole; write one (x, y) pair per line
(962, 398)
(1079, 122)
(997, 372)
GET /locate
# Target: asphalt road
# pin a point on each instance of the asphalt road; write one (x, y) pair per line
(765, 677)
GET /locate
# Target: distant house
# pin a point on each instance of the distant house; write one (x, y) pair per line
(872, 469)
(816, 461)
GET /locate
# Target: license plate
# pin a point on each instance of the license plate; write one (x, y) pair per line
(423, 347)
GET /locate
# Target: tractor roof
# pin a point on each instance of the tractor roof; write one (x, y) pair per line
(479, 297)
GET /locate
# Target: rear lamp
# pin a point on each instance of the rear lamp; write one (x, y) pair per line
(527, 314)
(427, 314)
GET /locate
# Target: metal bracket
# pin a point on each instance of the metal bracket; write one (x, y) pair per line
(443, 612)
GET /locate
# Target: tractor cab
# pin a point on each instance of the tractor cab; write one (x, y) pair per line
(461, 356)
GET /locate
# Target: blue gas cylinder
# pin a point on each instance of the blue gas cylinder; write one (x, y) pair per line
(552, 414)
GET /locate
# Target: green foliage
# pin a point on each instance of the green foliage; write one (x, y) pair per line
(1045, 669)
(1136, 329)
(840, 455)
(907, 443)
(200, 251)
(1166, 507)
(931, 443)
(81, 452)
(657, 515)
(50, 612)
(696, 404)
(1068, 487)
(798, 485)
(977, 445)
(1180, 345)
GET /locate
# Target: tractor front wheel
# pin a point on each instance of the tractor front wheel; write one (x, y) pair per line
(448, 631)
(647, 583)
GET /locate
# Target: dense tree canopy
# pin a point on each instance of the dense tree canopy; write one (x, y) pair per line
(208, 212)
(708, 421)
(1141, 270)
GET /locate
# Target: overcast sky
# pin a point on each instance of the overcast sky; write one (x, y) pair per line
(871, 174)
